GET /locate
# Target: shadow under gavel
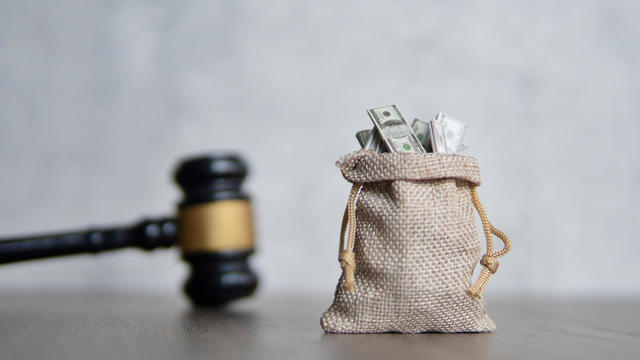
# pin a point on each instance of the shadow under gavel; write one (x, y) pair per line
(213, 229)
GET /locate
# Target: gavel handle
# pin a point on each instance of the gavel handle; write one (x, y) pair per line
(147, 235)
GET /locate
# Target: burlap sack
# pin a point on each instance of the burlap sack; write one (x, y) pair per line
(412, 246)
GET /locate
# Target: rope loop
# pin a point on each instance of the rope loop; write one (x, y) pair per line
(489, 260)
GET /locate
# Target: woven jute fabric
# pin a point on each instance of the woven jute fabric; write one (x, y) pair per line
(416, 247)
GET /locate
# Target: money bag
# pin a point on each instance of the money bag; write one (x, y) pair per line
(412, 246)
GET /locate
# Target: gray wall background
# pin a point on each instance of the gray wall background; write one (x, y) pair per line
(99, 99)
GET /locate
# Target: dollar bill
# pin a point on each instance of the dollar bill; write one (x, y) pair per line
(437, 137)
(374, 143)
(363, 137)
(394, 131)
(421, 129)
(454, 132)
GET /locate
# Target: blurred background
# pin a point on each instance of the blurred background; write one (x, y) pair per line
(100, 99)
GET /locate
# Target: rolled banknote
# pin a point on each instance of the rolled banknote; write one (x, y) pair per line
(375, 143)
(363, 137)
(421, 129)
(436, 136)
(454, 132)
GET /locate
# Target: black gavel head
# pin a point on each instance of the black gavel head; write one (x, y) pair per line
(215, 228)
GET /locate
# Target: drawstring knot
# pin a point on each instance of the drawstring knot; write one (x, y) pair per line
(490, 262)
(348, 264)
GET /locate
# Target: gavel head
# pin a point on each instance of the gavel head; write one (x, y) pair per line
(215, 228)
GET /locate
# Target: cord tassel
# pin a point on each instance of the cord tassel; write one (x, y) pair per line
(489, 260)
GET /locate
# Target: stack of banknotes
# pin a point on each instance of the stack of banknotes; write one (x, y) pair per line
(392, 133)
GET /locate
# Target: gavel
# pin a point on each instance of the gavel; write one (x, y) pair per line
(213, 229)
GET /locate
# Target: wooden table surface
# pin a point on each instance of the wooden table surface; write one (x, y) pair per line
(127, 326)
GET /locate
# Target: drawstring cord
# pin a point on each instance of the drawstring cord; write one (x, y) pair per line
(346, 256)
(489, 260)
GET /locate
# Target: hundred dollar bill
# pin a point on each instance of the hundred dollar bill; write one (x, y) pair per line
(393, 130)
(363, 137)
(421, 129)
(374, 143)
(454, 132)
(437, 137)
